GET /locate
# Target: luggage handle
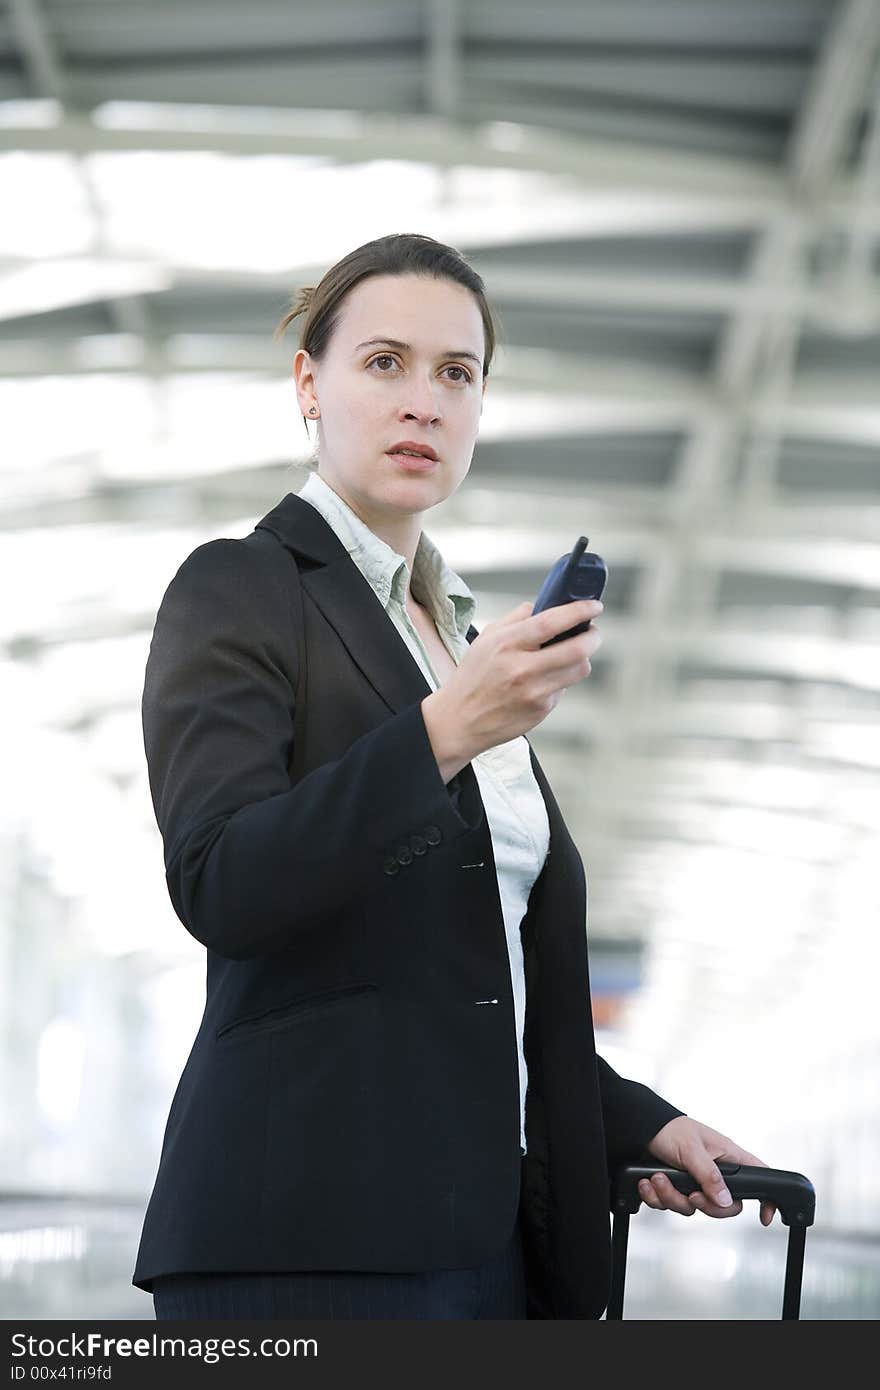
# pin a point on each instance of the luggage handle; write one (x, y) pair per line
(792, 1193)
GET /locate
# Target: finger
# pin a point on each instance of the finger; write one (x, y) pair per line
(648, 1195)
(562, 616)
(669, 1197)
(735, 1154)
(522, 610)
(700, 1163)
(567, 663)
(702, 1203)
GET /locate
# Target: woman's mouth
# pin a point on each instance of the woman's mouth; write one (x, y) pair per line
(414, 463)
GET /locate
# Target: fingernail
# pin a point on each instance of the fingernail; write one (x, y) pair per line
(724, 1198)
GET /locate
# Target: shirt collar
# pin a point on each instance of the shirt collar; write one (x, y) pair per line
(434, 583)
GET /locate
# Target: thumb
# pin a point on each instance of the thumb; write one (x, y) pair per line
(710, 1178)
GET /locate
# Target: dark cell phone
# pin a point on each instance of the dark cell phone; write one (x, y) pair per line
(576, 576)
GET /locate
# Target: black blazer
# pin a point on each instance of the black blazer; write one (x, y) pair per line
(349, 1102)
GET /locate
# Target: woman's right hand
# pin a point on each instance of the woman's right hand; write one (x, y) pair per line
(506, 683)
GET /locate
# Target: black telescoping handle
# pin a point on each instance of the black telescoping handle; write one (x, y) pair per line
(792, 1194)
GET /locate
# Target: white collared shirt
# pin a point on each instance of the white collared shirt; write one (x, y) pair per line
(512, 799)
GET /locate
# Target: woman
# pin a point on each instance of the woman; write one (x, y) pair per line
(393, 1107)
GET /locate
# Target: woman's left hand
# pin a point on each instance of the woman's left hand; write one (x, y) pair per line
(685, 1143)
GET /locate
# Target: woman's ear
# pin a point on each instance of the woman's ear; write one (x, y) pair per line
(304, 380)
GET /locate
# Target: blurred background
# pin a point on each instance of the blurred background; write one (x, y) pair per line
(675, 205)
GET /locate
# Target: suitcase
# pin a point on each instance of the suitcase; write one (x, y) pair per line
(792, 1193)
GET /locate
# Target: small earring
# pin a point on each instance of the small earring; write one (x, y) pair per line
(312, 409)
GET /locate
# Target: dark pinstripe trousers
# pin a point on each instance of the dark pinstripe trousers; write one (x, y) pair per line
(493, 1290)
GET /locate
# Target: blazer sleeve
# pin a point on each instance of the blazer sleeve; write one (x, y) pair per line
(251, 860)
(632, 1114)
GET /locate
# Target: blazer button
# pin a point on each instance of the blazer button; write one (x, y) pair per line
(418, 844)
(432, 834)
(404, 855)
(391, 865)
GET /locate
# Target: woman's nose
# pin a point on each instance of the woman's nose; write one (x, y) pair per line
(420, 403)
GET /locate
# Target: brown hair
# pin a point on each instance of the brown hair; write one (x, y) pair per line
(401, 253)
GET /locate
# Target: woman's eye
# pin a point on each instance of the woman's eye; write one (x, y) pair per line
(464, 374)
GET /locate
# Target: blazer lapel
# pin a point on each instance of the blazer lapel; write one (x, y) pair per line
(336, 585)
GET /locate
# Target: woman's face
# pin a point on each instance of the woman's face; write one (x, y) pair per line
(405, 362)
